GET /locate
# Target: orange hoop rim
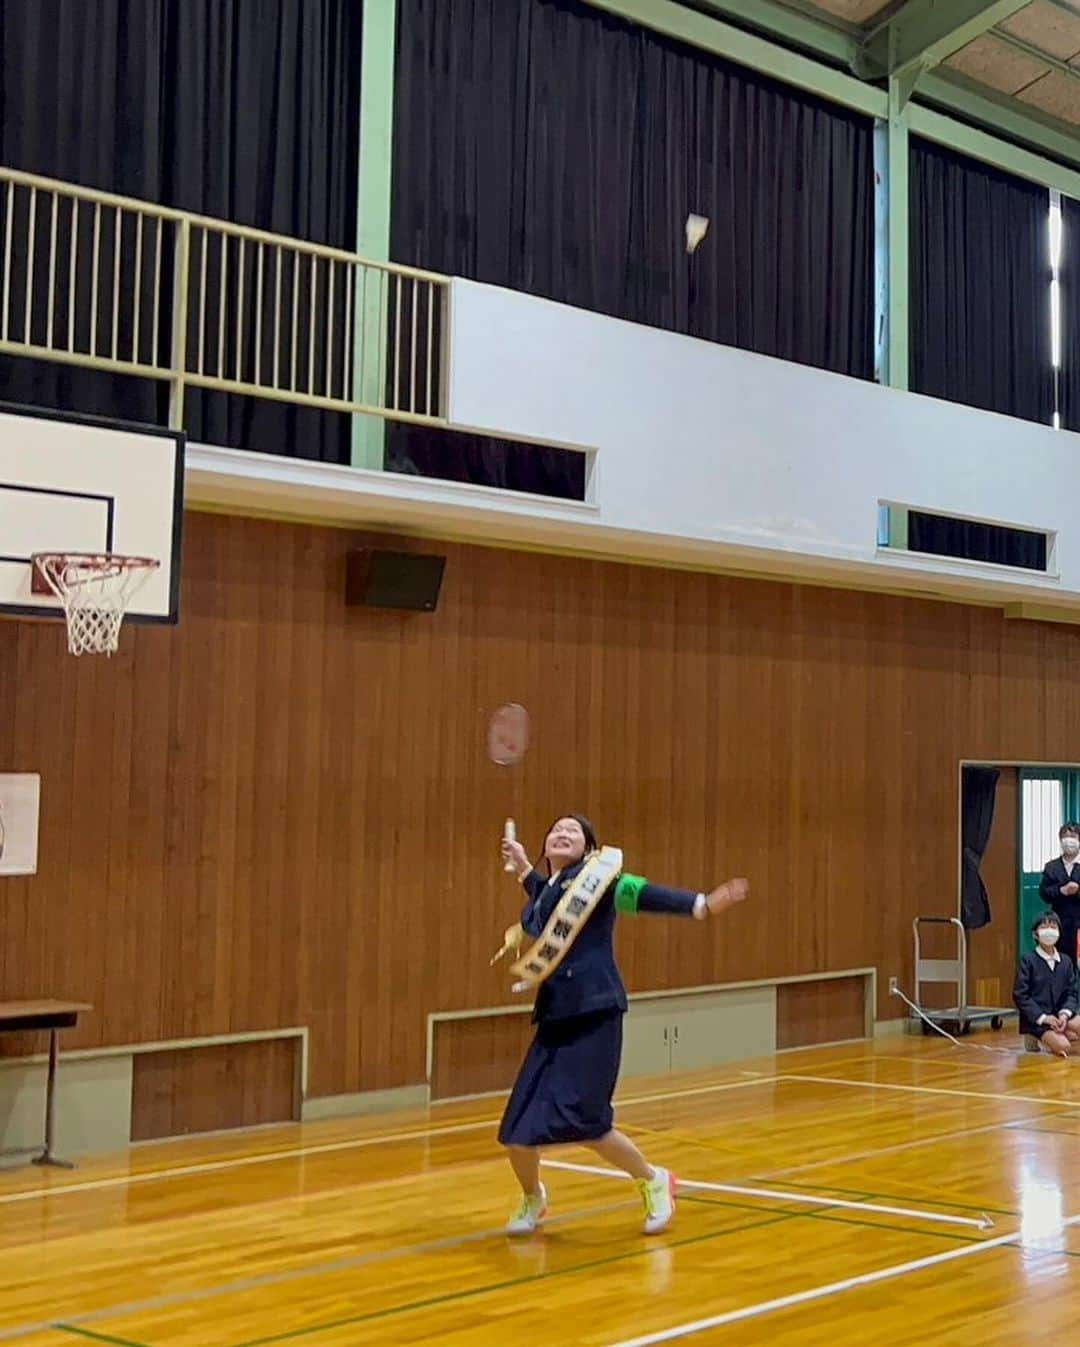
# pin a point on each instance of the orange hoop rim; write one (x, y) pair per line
(96, 561)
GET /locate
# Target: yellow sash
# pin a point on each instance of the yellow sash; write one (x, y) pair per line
(567, 921)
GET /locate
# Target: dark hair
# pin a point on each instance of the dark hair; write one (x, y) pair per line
(1045, 919)
(1072, 829)
(586, 827)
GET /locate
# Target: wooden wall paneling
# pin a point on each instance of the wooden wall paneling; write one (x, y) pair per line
(145, 982)
(209, 1089)
(478, 1055)
(820, 1012)
(281, 811)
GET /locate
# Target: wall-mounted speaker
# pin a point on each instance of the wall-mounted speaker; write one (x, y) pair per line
(405, 580)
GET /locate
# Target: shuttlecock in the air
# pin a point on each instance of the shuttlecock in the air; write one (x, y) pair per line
(697, 226)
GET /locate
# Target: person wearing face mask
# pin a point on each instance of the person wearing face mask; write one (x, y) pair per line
(1045, 993)
(564, 1088)
(1059, 888)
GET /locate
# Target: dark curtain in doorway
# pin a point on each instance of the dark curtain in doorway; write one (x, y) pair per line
(977, 819)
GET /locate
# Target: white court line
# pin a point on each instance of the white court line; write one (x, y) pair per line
(809, 1199)
(299, 1152)
(848, 1158)
(820, 1292)
(329, 1147)
(932, 1089)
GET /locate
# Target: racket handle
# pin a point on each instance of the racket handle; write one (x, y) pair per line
(509, 835)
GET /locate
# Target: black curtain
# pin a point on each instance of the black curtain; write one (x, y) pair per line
(1069, 277)
(246, 110)
(980, 286)
(977, 818)
(546, 146)
(945, 537)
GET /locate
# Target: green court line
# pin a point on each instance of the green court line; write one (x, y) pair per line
(898, 1197)
(829, 1214)
(96, 1337)
(126, 1310)
(452, 1296)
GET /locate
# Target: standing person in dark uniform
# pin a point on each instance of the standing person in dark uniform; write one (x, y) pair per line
(1059, 888)
(1045, 992)
(564, 1088)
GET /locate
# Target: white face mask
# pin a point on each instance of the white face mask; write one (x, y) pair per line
(1070, 846)
(1048, 935)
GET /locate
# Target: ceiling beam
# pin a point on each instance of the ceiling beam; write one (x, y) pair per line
(977, 144)
(829, 39)
(698, 29)
(945, 88)
(948, 89)
(1018, 44)
(1064, 7)
(926, 32)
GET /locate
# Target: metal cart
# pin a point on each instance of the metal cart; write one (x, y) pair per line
(960, 1018)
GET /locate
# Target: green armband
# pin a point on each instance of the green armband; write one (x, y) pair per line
(627, 892)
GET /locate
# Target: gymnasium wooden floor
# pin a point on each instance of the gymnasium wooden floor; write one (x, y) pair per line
(388, 1230)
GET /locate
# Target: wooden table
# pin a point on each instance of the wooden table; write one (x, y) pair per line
(52, 1016)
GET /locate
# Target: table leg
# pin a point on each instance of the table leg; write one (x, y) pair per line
(47, 1157)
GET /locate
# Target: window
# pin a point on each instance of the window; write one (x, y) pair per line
(1040, 819)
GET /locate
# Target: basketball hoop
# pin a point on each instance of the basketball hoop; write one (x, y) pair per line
(96, 590)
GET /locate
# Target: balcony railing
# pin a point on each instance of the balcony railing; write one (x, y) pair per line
(112, 283)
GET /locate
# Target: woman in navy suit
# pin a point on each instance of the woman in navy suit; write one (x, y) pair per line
(564, 1088)
(1060, 886)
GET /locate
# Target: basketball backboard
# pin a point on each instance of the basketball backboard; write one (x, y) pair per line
(76, 484)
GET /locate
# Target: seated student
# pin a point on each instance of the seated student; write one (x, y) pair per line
(1044, 992)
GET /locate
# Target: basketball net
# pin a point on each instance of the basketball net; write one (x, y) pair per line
(96, 591)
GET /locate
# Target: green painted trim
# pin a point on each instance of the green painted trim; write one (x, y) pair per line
(896, 532)
(1029, 126)
(627, 893)
(923, 33)
(881, 252)
(942, 87)
(899, 234)
(991, 150)
(713, 35)
(373, 219)
(810, 30)
(1063, 7)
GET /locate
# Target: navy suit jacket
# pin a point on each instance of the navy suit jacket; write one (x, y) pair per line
(1054, 876)
(587, 979)
(1042, 990)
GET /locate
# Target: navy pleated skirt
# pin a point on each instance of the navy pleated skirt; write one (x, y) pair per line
(563, 1090)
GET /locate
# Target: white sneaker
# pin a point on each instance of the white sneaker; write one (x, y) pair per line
(530, 1213)
(658, 1195)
